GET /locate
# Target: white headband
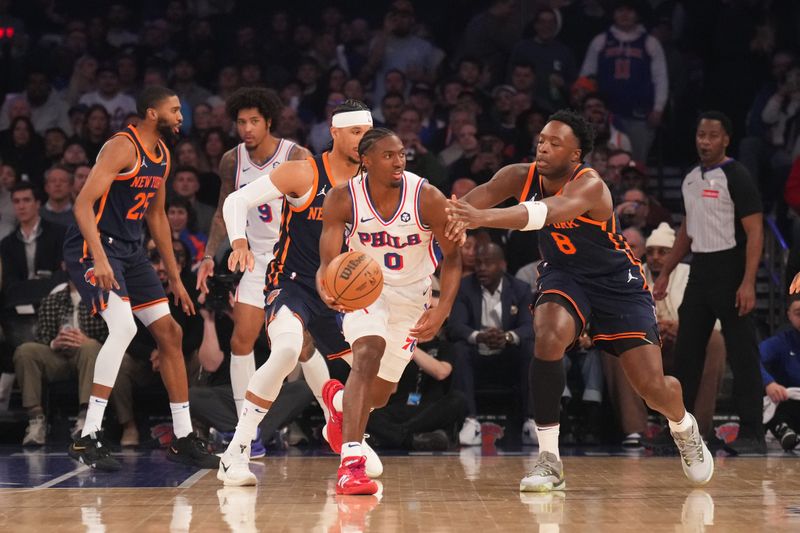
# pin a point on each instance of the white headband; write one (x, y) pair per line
(352, 118)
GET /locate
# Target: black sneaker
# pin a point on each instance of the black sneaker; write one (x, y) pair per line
(91, 451)
(193, 451)
(434, 441)
(786, 436)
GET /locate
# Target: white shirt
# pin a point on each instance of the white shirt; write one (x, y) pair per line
(491, 317)
(119, 106)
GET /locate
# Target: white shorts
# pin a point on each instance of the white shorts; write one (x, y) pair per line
(394, 313)
(251, 287)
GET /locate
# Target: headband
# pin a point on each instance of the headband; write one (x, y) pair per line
(352, 118)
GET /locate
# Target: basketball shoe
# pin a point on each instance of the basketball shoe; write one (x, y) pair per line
(233, 468)
(353, 477)
(333, 429)
(547, 475)
(91, 451)
(191, 450)
(696, 460)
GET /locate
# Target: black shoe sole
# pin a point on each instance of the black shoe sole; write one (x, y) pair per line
(78, 456)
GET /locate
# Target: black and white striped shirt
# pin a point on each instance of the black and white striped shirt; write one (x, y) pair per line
(716, 199)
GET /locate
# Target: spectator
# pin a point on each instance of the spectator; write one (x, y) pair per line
(391, 107)
(634, 211)
(54, 142)
(183, 223)
(109, 95)
(32, 257)
(82, 81)
(96, 131)
(723, 229)
(635, 81)
(201, 120)
(140, 369)
(77, 117)
(422, 98)
(289, 126)
(68, 339)
(617, 161)
(47, 108)
(58, 182)
(319, 138)
(419, 159)
(184, 85)
(74, 154)
(396, 47)
(468, 254)
(552, 60)
(492, 328)
(188, 154)
(23, 149)
(186, 184)
(464, 139)
(606, 134)
(461, 187)
(215, 143)
(8, 220)
(128, 73)
(504, 114)
(781, 376)
(79, 179)
(424, 409)
(635, 239)
(490, 35)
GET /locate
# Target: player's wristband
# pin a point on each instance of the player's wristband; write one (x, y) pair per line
(537, 214)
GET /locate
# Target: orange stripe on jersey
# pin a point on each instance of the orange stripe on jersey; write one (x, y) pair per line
(313, 187)
(97, 218)
(149, 304)
(284, 229)
(528, 182)
(575, 305)
(594, 222)
(581, 173)
(629, 335)
(128, 174)
(327, 166)
(153, 158)
(165, 152)
(339, 355)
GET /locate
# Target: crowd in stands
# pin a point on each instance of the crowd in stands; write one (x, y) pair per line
(467, 87)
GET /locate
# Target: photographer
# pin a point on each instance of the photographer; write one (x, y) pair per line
(141, 368)
(634, 211)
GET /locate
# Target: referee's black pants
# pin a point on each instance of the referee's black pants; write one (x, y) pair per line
(711, 295)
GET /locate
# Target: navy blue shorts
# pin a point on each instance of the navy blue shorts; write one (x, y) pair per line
(137, 279)
(321, 321)
(619, 309)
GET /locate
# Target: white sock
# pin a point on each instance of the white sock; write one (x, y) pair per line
(181, 421)
(94, 415)
(242, 369)
(246, 429)
(351, 449)
(683, 425)
(338, 401)
(315, 372)
(548, 439)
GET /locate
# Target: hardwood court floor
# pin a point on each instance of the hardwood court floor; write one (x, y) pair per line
(463, 492)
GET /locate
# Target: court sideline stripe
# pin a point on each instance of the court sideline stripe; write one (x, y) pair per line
(62, 477)
(194, 478)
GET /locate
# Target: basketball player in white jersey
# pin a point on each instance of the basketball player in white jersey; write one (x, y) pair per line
(394, 217)
(294, 307)
(253, 109)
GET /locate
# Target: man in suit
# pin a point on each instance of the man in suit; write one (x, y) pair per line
(492, 329)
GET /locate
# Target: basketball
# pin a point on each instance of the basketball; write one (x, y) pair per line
(354, 280)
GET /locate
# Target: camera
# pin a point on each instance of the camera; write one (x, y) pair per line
(219, 289)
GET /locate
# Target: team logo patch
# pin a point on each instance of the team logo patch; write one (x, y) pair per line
(405, 217)
(272, 295)
(88, 276)
(410, 344)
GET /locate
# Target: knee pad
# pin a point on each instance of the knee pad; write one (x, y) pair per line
(286, 340)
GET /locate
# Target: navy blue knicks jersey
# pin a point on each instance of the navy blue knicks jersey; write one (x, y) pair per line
(582, 246)
(297, 251)
(119, 212)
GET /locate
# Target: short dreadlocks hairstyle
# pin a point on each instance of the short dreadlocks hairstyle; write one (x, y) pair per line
(580, 128)
(267, 102)
(368, 141)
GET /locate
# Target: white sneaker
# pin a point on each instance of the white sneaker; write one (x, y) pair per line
(234, 470)
(547, 475)
(696, 460)
(374, 466)
(36, 432)
(529, 437)
(470, 434)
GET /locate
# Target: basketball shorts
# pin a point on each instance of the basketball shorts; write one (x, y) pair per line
(392, 315)
(138, 281)
(251, 287)
(620, 312)
(318, 319)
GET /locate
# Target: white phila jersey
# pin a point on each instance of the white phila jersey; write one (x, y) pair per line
(263, 222)
(402, 245)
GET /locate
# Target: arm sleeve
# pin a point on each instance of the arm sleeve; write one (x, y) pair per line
(589, 67)
(234, 210)
(659, 73)
(744, 192)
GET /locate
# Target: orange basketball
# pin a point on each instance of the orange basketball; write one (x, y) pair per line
(354, 279)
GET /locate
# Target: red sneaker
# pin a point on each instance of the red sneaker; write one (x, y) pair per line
(353, 477)
(333, 429)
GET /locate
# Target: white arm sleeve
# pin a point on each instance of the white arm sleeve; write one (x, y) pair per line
(238, 203)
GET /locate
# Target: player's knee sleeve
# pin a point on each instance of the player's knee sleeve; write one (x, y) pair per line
(286, 340)
(546, 384)
(121, 330)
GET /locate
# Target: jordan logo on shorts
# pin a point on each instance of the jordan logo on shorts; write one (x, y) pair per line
(631, 277)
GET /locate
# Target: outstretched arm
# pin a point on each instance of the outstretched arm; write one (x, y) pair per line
(433, 206)
(336, 212)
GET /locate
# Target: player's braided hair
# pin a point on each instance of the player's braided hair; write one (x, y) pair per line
(266, 101)
(368, 141)
(580, 128)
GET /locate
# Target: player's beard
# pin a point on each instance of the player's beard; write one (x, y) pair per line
(165, 130)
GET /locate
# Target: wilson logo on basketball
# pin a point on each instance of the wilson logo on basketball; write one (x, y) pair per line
(88, 276)
(351, 266)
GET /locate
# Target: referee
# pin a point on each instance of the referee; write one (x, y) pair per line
(723, 229)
